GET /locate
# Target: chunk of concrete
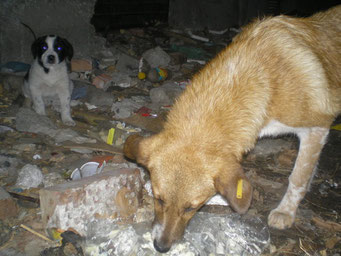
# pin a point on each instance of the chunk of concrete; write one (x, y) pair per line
(157, 57)
(114, 195)
(8, 207)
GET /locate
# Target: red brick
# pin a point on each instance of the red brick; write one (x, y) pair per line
(114, 195)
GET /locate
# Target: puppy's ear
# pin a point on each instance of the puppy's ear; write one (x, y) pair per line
(135, 149)
(36, 47)
(235, 187)
(68, 48)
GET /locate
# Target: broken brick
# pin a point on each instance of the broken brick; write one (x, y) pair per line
(8, 207)
(114, 195)
(101, 80)
(81, 65)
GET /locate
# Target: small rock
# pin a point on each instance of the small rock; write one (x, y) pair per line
(157, 57)
(30, 176)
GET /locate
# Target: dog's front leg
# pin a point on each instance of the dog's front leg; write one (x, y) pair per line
(312, 141)
(38, 104)
(65, 98)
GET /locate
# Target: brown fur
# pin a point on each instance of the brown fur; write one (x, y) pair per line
(279, 75)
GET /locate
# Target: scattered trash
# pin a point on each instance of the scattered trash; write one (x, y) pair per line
(30, 176)
(200, 38)
(5, 233)
(15, 66)
(157, 57)
(165, 94)
(4, 129)
(102, 81)
(157, 75)
(86, 170)
(117, 135)
(81, 65)
(123, 109)
(52, 179)
(36, 157)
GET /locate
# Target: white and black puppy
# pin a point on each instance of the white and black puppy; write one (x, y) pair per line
(48, 75)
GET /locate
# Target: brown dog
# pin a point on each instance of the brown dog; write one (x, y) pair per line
(280, 75)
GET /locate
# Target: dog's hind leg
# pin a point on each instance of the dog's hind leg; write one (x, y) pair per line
(312, 141)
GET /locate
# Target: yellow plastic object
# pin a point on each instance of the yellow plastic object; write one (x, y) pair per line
(240, 189)
(110, 138)
(141, 75)
(337, 127)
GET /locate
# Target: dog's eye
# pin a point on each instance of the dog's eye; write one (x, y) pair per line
(189, 209)
(59, 48)
(160, 201)
(44, 47)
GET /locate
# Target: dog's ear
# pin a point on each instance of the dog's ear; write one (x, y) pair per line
(235, 187)
(37, 46)
(68, 48)
(135, 150)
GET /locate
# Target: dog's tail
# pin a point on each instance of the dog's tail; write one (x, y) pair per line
(27, 26)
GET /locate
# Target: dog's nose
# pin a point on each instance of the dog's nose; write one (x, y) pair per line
(51, 59)
(160, 248)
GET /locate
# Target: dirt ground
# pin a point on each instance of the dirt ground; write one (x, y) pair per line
(317, 229)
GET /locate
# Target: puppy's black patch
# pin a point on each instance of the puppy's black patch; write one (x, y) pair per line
(63, 48)
(39, 46)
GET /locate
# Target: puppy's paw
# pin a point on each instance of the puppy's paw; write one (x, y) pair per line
(69, 122)
(280, 219)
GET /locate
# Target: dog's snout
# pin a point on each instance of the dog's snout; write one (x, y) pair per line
(51, 59)
(159, 247)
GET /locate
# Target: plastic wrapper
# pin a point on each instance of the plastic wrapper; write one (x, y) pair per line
(207, 234)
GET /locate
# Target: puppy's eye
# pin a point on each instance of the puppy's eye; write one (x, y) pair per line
(59, 48)
(44, 47)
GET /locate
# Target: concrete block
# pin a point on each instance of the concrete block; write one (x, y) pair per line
(114, 195)
(8, 207)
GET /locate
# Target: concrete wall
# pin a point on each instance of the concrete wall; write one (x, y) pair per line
(67, 18)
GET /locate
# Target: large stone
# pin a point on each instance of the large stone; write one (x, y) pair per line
(114, 195)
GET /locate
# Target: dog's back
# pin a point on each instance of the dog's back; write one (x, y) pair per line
(280, 68)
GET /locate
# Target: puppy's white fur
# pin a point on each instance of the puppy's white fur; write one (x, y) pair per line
(48, 77)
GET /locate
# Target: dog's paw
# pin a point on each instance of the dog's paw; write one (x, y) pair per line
(280, 219)
(69, 122)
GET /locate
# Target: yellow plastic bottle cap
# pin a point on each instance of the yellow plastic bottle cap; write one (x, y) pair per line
(141, 75)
